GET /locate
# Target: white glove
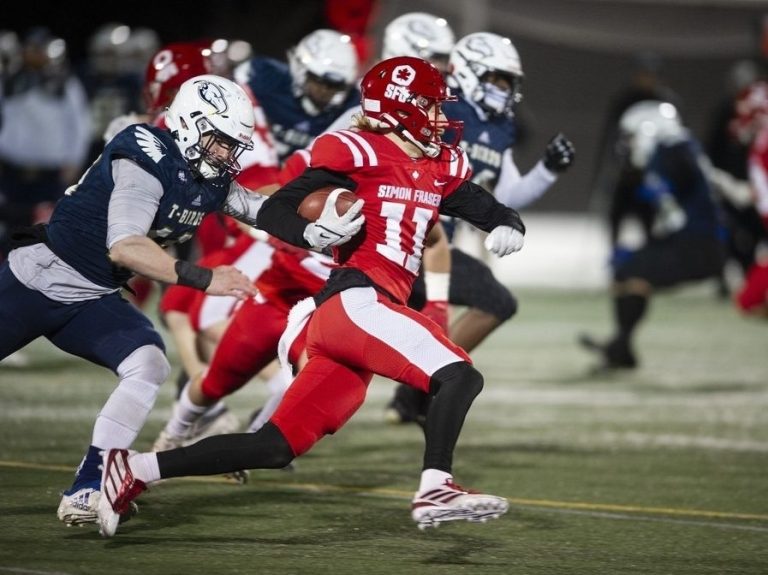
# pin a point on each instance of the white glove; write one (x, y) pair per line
(670, 217)
(504, 240)
(331, 229)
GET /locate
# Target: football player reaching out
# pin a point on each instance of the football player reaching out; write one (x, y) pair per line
(196, 320)
(149, 189)
(359, 325)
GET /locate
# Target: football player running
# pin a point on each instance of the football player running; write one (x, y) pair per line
(149, 189)
(486, 70)
(359, 325)
(686, 233)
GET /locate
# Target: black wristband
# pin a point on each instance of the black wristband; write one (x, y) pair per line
(193, 276)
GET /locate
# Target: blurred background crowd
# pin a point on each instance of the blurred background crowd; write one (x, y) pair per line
(587, 61)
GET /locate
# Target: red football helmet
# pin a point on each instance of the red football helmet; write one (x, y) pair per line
(398, 93)
(169, 68)
(750, 112)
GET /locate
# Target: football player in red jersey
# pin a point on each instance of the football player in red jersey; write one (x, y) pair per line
(751, 126)
(359, 325)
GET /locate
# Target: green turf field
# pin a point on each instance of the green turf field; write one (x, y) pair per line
(661, 471)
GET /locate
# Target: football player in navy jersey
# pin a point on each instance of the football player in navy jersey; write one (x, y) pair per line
(302, 98)
(687, 234)
(149, 189)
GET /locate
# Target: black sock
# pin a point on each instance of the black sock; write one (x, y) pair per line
(454, 387)
(265, 449)
(629, 310)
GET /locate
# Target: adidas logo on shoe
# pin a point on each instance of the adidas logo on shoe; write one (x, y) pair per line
(451, 502)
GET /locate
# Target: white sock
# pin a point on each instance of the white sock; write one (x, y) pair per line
(144, 466)
(126, 410)
(185, 414)
(432, 478)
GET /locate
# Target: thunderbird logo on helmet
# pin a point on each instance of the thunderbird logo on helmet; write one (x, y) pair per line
(212, 94)
(403, 75)
(480, 45)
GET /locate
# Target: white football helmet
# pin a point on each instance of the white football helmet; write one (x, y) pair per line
(420, 35)
(209, 105)
(478, 57)
(324, 57)
(646, 124)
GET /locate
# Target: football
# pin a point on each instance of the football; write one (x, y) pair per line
(312, 206)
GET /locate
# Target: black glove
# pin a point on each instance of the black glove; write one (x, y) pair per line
(559, 154)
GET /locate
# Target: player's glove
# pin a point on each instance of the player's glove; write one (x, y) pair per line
(504, 240)
(670, 217)
(559, 154)
(331, 229)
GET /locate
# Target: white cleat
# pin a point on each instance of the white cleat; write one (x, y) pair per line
(80, 507)
(451, 502)
(166, 442)
(119, 489)
(217, 421)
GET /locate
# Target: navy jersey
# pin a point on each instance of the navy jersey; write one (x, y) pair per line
(77, 231)
(675, 170)
(293, 129)
(484, 140)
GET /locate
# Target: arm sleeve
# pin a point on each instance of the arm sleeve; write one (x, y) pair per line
(278, 215)
(472, 203)
(243, 204)
(133, 203)
(516, 191)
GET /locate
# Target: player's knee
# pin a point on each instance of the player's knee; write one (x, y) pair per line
(274, 451)
(147, 363)
(496, 300)
(507, 305)
(299, 439)
(460, 377)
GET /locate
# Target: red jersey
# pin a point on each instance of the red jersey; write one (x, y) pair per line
(402, 198)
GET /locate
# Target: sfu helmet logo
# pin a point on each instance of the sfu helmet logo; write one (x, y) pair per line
(212, 95)
(403, 75)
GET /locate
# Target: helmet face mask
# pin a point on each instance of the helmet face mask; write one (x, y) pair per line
(212, 121)
(405, 94)
(488, 70)
(324, 67)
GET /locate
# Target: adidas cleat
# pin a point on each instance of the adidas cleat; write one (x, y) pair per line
(119, 489)
(451, 502)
